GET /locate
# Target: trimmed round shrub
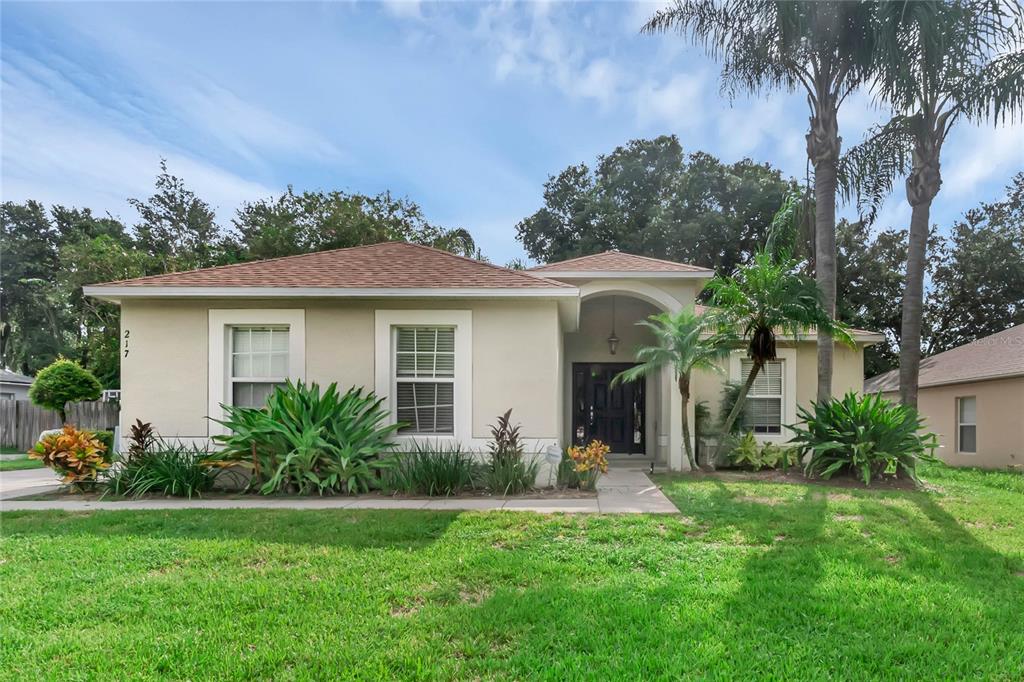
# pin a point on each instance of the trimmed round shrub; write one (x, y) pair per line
(63, 382)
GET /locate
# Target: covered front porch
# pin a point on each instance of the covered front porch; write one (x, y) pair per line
(640, 420)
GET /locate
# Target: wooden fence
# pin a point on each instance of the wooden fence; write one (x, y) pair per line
(21, 421)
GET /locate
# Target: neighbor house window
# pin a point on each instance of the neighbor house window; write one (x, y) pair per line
(967, 426)
(425, 379)
(259, 362)
(6, 396)
(763, 411)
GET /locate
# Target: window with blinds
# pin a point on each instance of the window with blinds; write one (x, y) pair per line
(259, 363)
(763, 411)
(425, 379)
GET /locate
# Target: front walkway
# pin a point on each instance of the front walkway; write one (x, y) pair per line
(621, 491)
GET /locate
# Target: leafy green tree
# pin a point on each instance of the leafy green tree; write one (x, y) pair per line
(823, 48)
(870, 284)
(309, 221)
(648, 197)
(978, 282)
(95, 325)
(176, 228)
(29, 309)
(937, 62)
(685, 341)
(63, 382)
(765, 297)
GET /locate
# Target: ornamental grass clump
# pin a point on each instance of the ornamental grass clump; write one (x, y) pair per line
(432, 470)
(77, 455)
(167, 468)
(864, 436)
(588, 463)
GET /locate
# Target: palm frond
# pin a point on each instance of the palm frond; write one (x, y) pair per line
(868, 171)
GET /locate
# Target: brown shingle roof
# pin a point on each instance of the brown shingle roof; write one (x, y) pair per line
(616, 261)
(391, 265)
(993, 357)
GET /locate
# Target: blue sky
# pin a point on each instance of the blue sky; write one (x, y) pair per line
(464, 107)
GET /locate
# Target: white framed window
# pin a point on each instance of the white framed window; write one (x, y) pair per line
(967, 425)
(425, 379)
(423, 369)
(762, 413)
(259, 363)
(250, 351)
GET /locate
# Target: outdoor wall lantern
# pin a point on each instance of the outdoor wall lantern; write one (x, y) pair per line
(613, 341)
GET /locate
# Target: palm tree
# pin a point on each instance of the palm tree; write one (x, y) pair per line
(766, 297)
(823, 48)
(937, 62)
(686, 341)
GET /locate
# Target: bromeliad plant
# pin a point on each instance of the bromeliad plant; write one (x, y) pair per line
(864, 436)
(76, 455)
(306, 441)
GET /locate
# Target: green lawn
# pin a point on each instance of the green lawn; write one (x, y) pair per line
(19, 464)
(752, 580)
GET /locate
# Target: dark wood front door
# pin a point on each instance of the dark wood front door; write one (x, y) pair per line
(614, 416)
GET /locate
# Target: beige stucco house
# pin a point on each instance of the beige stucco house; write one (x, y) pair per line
(449, 341)
(973, 398)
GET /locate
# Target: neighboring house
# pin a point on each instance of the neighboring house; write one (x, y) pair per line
(973, 398)
(14, 386)
(449, 341)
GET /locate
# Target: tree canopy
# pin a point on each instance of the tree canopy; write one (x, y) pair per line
(649, 197)
(48, 255)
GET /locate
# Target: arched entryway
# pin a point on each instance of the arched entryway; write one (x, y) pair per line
(636, 420)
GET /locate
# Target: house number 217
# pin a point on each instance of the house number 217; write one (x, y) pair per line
(127, 333)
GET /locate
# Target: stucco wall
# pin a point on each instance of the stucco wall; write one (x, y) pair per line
(165, 376)
(847, 375)
(1000, 418)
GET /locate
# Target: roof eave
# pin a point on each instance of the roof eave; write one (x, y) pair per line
(624, 274)
(115, 294)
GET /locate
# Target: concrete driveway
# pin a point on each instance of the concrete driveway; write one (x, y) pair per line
(28, 482)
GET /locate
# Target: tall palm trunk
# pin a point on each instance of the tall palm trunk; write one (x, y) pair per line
(823, 147)
(922, 185)
(737, 408)
(684, 391)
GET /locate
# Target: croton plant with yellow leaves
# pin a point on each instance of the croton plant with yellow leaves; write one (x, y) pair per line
(589, 462)
(77, 455)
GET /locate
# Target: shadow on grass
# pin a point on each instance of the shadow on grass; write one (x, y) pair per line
(399, 529)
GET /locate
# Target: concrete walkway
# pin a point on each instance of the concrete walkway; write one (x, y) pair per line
(621, 491)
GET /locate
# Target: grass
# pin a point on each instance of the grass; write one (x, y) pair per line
(19, 464)
(752, 580)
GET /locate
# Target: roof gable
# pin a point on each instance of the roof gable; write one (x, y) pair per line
(617, 261)
(389, 265)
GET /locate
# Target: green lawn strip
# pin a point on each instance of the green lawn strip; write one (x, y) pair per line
(751, 580)
(20, 464)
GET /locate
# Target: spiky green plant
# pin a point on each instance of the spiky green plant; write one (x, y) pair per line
(862, 435)
(432, 470)
(306, 441)
(167, 468)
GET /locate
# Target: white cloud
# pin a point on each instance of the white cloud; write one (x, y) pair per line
(680, 102)
(976, 154)
(403, 9)
(55, 154)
